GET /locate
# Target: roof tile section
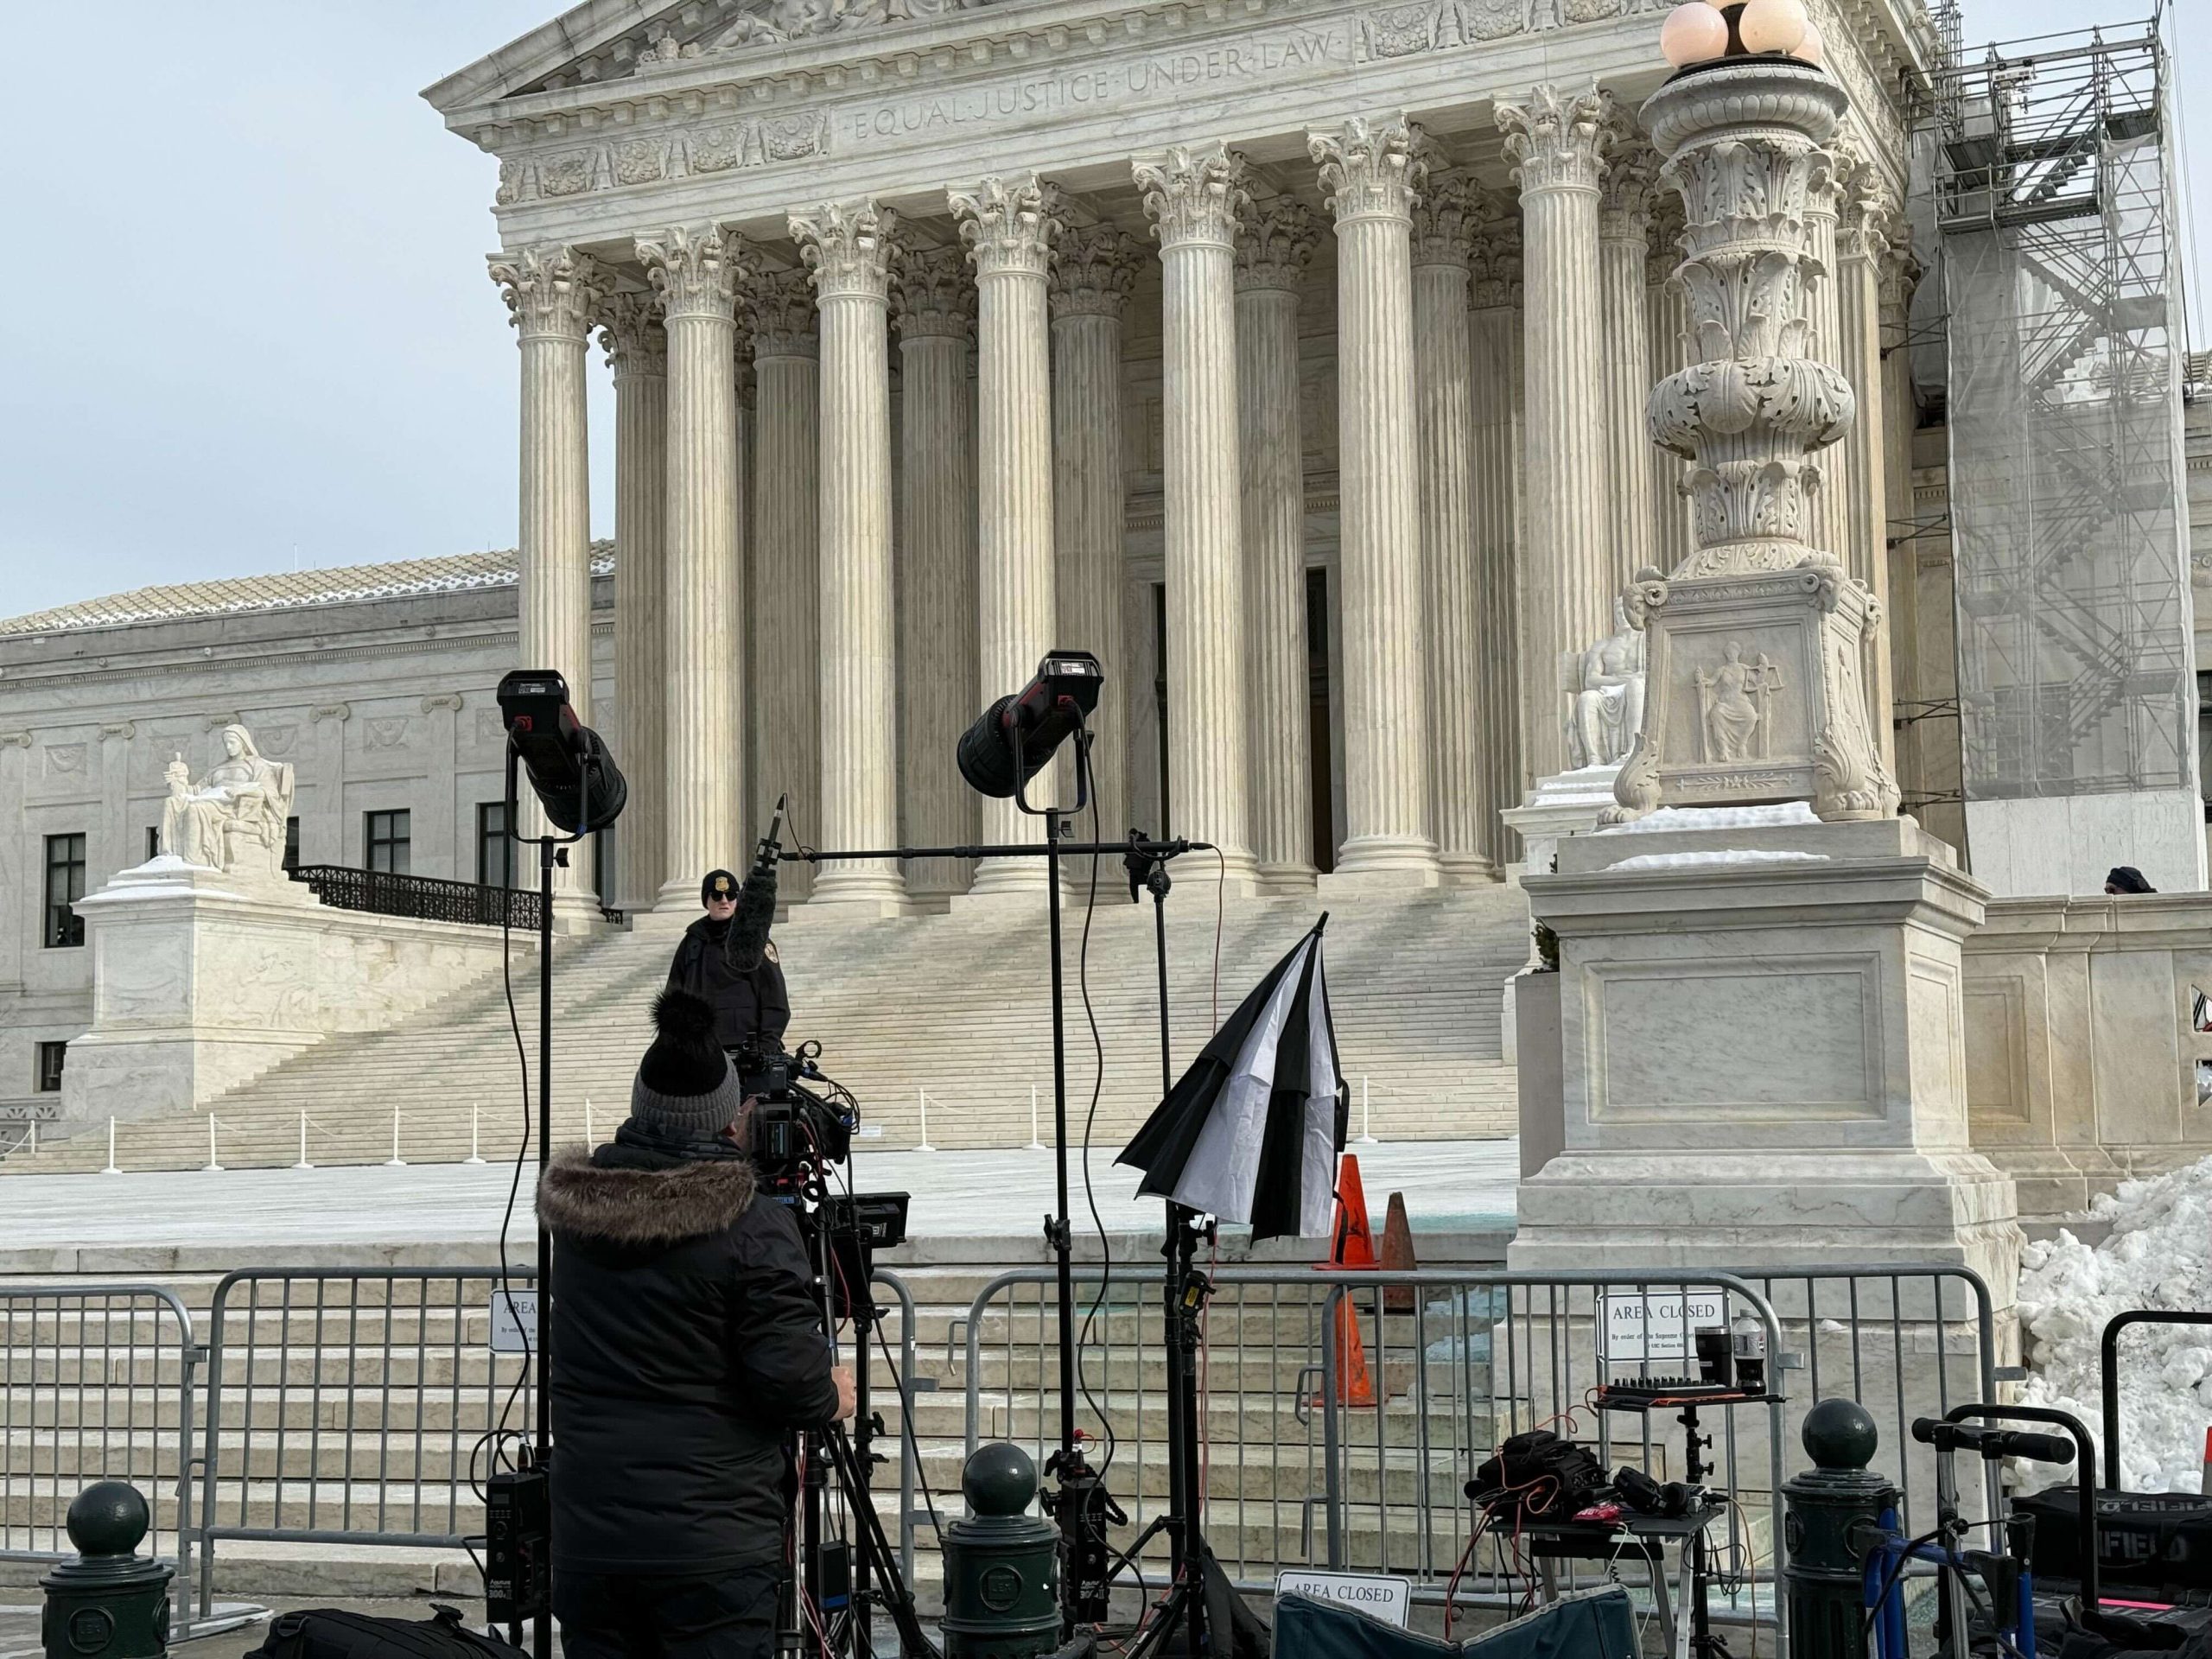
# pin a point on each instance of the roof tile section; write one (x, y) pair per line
(286, 590)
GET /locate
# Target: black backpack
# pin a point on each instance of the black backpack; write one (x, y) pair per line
(326, 1633)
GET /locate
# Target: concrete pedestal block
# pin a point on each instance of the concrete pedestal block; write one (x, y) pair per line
(202, 980)
(1564, 803)
(1763, 1051)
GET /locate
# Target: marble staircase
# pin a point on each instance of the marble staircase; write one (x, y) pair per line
(953, 1007)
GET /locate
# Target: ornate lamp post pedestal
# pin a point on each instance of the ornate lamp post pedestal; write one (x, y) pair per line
(1757, 642)
(1761, 1020)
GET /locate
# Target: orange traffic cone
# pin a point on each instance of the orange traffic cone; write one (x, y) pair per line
(1397, 1254)
(1354, 1386)
(1351, 1242)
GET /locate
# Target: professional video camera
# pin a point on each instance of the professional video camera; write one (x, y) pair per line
(798, 1131)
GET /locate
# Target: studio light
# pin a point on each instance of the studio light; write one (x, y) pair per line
(575, 780)
(1011, 741)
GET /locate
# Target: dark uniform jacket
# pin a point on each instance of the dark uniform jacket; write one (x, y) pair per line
(685, 1342)
(749, 1008)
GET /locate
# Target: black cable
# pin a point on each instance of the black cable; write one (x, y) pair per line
(1091, 1117)
(522, 1153)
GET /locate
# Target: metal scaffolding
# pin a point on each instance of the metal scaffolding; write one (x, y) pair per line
(2052, 185)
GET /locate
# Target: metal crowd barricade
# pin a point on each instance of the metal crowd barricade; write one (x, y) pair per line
(101, 1381)
(353, 1406)
(1468, 1357)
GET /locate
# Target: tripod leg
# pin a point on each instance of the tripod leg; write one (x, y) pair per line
(899, 1599)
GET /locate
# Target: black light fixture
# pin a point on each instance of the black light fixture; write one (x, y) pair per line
(1014, 739)
(575, 780)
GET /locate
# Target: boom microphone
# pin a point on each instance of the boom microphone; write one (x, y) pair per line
(747, 944)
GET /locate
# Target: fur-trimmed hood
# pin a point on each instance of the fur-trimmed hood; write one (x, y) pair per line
(635, 1207)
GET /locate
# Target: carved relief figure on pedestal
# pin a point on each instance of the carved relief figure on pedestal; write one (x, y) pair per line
(1605, 685)
(233, 820)
(1732, 706)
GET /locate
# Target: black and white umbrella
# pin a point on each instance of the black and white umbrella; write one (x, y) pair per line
(1251, 1132)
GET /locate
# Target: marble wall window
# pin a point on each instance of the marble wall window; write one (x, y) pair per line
(389, 837)
(495, 853)
(50, 1056)
(65, 886)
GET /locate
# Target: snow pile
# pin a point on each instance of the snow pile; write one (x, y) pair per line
(1726, 855)
(1715, 817)
(2158, 1256)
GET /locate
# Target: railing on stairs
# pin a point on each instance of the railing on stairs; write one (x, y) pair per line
(422, 897)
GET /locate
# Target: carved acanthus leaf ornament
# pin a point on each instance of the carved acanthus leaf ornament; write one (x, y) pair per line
(1193, 193)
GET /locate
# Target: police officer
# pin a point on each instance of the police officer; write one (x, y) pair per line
(751, 1007)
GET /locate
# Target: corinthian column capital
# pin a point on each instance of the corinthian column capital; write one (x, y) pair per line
(1445, 220)
(549, 291)
(1869, 211)
(848, 246)
(1009, 225)
(1497, 262)
(1900, 275)
(631, 334)
(696, 268)
(1629, 190)
(1368, 170)
(1095, 271)
(935, 294)
(1193, 196)
(1274, 243)
(1557, 141)
(781, 307)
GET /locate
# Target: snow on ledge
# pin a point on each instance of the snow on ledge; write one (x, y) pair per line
(1706, 861)
(1716, 817)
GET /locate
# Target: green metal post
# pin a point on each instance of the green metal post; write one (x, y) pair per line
(107, 1604)
(1002, 1564)
(1830, 1523)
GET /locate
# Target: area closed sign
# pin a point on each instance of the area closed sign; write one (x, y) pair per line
(1378, 1595)
(1649, 1324)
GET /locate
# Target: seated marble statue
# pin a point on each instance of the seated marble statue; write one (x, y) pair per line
(1605, 692)
(233, 820)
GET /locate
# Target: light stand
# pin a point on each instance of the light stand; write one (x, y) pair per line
(1080, 1507)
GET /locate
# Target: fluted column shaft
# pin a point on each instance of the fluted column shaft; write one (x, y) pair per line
(1008, 226)
(1459, 799)
(937, 561)
(1273, 247)
(1831, 530)
(1897, 277)
(1093, 274)
(785, 614)
(1193, 196)
(696, 271)
(1860, 246)
(1567, 569)
(848, 248)
(552, 293)
(1624, 255)
(1667, 306)
(1370, 177)
(637, 349)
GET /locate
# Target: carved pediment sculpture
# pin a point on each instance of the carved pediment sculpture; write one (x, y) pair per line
(233, 819)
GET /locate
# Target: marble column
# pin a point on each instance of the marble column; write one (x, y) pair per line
(1830, 531)
(1624, 203)
(1274, 244)
(1668, 308)
(1094, 272)
(937, 561)
(636, 350)
(786, 615)
(848, 246)
(1370, 177)
(697, 272)
(1899, 274)
(1861, 245)
(552, 293)
(1008, 226)
(1192, 196)
(1556, 141)
(1495, 385)
(1458, 792)
(740, 717)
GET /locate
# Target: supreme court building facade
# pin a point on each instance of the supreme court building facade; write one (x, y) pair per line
(1290, 355)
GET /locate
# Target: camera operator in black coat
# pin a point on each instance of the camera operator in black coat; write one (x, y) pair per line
(687, 1342)
(728, 961)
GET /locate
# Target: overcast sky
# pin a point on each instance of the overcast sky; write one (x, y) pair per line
(248, 321)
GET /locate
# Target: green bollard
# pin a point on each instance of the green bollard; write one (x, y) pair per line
(1002, 1564)
(1831, 1516)
(107, 1604)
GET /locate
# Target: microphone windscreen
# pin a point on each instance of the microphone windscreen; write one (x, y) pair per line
(756, 914)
